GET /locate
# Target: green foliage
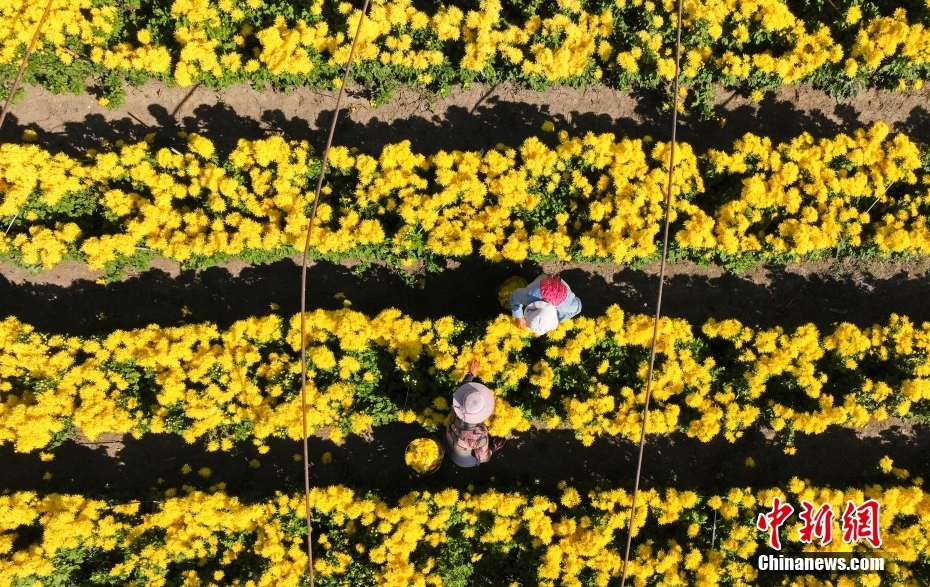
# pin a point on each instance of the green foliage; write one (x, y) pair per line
(452, 561)
(116, 269)
(47, 70)
(64, 435)
(17, 97)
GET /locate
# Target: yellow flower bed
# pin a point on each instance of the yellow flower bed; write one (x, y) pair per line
(219, 42)
(589, 373)
(594, 198)
(423, 455)
(562, 541)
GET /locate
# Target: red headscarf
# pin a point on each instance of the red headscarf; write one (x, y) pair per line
(552, 290)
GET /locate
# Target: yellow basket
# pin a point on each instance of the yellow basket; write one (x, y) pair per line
(424, 455)
(506, 288)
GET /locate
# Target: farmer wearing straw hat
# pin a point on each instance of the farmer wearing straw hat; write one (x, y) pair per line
(543, 304)
(467, 439)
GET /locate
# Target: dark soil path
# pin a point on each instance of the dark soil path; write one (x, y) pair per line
(537, 460)
(67, 300)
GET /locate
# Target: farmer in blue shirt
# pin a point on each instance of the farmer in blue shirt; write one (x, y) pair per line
(545, 288)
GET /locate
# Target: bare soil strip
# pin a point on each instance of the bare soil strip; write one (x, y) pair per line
(475, 118)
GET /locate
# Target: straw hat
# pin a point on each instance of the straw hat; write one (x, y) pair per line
(473, 402)
(541, 317)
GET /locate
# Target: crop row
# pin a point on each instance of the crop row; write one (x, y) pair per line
(591, 198)
(196, 537)
(224, 386)
(759, 44)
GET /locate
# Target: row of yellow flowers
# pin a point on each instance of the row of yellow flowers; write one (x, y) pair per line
(435, 538)
(594, 198)
(223, 386)
(762, 43)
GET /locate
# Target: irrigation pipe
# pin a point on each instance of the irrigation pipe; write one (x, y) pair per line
(655, 327)
(303, 290)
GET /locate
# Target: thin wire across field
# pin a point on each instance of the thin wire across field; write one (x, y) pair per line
(655, 327)
(303, 290)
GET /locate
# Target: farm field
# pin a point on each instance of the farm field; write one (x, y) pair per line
(155, 204)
